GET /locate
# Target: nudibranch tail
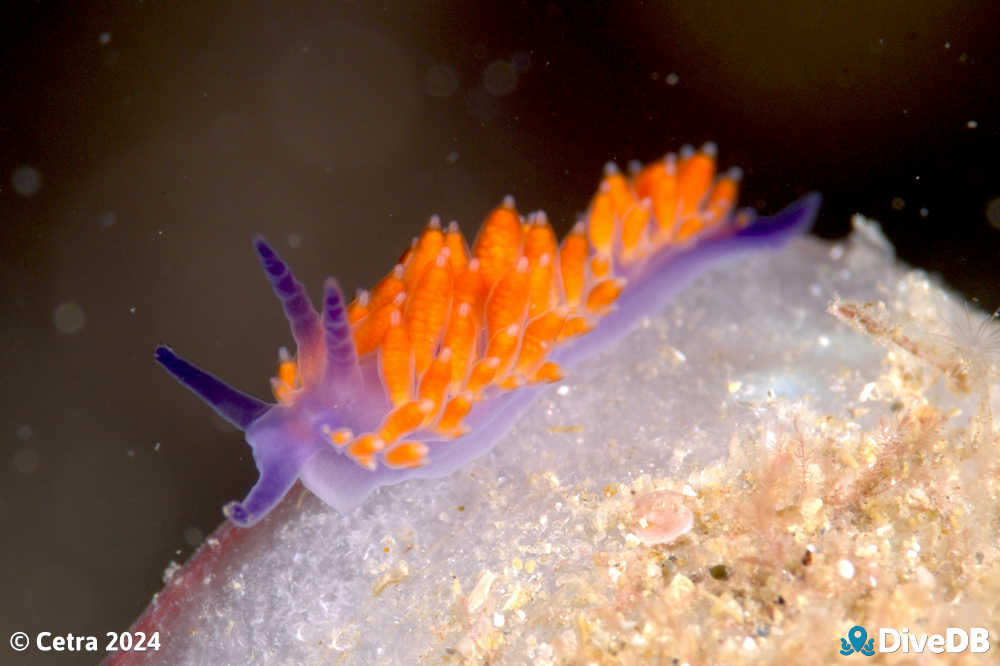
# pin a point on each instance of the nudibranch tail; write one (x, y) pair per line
(775, 230)
(234, 406)
(429, 368)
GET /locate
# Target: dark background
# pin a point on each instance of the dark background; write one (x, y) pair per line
(164, 134)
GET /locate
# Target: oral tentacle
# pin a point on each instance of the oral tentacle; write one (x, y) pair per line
(233, 405)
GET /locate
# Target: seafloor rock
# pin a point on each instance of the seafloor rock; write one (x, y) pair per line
(838, 475)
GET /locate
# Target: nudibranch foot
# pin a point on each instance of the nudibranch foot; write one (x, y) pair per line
(277, 476)
(426, 371)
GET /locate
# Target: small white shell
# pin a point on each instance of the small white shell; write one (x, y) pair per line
(661, 517)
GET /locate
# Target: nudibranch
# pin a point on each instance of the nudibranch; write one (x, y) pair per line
(424, 372)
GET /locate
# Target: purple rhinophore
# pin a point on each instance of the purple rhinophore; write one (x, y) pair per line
(341, 356)
(302, 317)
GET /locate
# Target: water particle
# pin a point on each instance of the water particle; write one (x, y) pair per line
(924, 212)
(104, 37)
(563, 390)
(521, 61)
(193, 536)
(451, 157)
(25, 432)
(25, 461)
(672, 79)
(500, 78)
(845, 569)
(107, 219)
(156, 446)
(294, 241)
(993, 212)
(898, 203)
(68, 317)
(26, 180)
(440, 81)
(972, 124)
(131, 310)
(130, 453)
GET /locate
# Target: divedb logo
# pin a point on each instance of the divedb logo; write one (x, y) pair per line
(857, 641)
(954, 639)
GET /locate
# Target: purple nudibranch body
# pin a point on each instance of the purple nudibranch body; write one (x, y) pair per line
(430, 368)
